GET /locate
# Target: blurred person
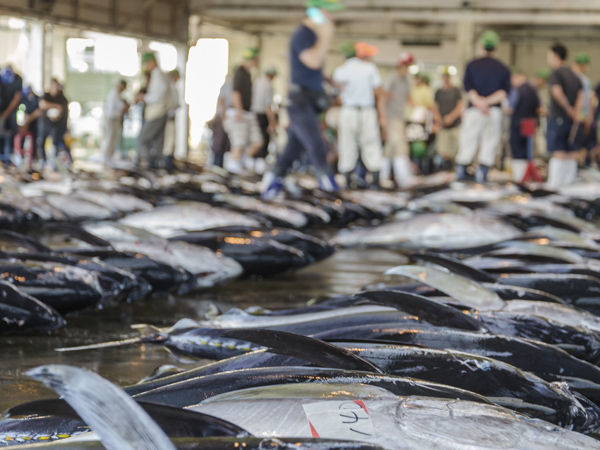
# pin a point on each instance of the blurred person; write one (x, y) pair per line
(158, 101)
(10, 93)
(523, 104)
(171, 128)
(447, 109)
(241, 123)
(362, 114)
(220, 140)
(540, 82)
(587, 139)
(566, 104)
(262, 106)
(54, 108)
(114, 109)
(396, 150)
(308, 50)
(487, 83)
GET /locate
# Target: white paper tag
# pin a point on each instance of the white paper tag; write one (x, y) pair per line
(349, 419)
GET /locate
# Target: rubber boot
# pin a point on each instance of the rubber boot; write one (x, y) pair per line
(169, 163)
(349, 183)
(386, 169)
(272, 185)
(375, 183)
(482, 174)
(557, 171)
(403, 173)
(461, 172)
(327, 183)
(571, 166)
(518, 168)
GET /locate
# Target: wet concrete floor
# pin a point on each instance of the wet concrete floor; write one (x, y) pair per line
(344, 273)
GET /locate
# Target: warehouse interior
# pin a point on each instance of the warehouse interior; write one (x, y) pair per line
(438, 33)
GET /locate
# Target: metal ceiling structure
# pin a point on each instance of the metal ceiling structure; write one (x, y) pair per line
(532, 19)
(155, 19)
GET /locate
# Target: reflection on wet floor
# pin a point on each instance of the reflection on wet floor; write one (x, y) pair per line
(344, 273)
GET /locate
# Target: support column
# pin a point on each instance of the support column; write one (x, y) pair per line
(183, 113)
(465, 42)
(33, 67)
(47, 57)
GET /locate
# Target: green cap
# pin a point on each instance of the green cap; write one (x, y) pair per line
(544, 74)
(348, 50)
(148, 56)
(271, 71)
(489, 39)
(174, 73)
(251, 53)
(582, 58)
(327, 5)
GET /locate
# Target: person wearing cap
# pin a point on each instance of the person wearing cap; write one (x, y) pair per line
(566, 103)
(262, 106)
(447, 108)
(362, 113)
(587, 139)
(158, 100)
(54, 115)
(241, 123)
(487, 83)
(170, 127)
(523, 105)
(308, 50)
(114, 109)
(397, 98)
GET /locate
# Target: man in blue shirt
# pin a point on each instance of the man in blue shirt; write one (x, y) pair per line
(308, 50)
(487, 83)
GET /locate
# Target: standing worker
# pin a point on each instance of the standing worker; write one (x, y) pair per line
(241, 124)
(170, 128)
(524, 104)
(566, 103)
(587, 137)
(262, 106)
(114, 109)
(220, 141)
(158, 102)
(308, 50)
(447, 108)
(397, 96)
(12, 86)
(55, 108)
(487, 83)
(362, 113)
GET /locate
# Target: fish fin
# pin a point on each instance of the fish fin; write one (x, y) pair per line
(119, 421)
(45, 407)
(454, 266)
(430, 310)
(309, 349)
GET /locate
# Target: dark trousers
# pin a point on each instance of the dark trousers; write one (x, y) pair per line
(151, 141)
(518, 143)
(304, 135)
(263, 124)
(48, 130)
(220, 142)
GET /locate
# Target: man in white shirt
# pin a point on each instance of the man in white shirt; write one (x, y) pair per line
(159, 101)
(262, 101)
(170, 128)
(359, 121)
(114, 108)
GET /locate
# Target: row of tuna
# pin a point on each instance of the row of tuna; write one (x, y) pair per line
(489, 338)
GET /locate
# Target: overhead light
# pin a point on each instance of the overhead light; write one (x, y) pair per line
(16, 24)
(452, 70)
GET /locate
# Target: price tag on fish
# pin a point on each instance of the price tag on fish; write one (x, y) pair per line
(349, 419)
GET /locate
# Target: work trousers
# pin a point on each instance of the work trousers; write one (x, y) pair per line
(481, 132)
(151, 141)
(304, 135)
(111, 135)
(359, 128)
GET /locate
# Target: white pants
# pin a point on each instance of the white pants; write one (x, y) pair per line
(359, 128)
(111, 134)
(169, 145)
(481, 132)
